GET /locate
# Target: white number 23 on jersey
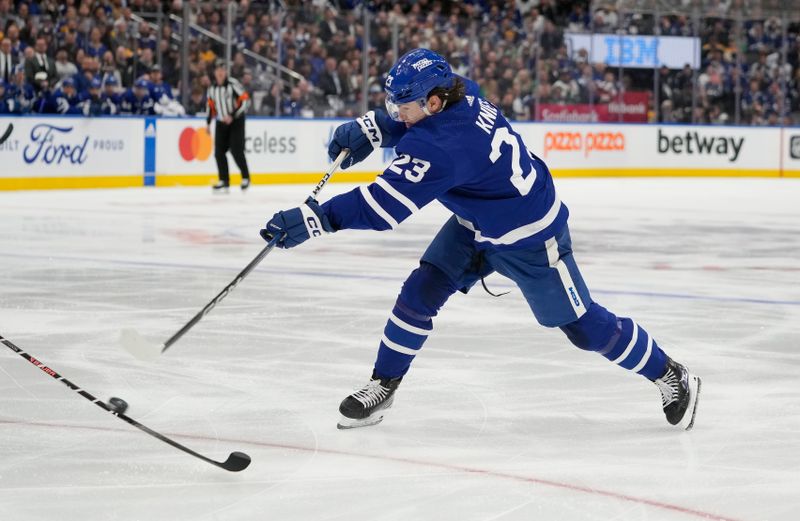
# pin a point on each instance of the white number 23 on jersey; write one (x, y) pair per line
(413, 169)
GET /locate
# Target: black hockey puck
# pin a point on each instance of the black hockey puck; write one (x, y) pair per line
(118, 405)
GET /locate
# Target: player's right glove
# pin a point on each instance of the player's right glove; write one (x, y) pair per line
(372, 130)
(297, 225)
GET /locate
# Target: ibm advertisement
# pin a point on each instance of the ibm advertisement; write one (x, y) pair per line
(642, 52)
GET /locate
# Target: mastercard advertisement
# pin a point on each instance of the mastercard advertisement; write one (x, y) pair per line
(195, 143)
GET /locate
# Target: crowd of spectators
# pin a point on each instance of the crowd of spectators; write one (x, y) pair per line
(106, 57)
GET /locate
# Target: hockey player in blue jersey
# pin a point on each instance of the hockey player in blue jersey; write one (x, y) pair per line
(456, 147)
(112, 99)
(160, 91)
(92, 105)
(6, 99)
(67, 99)
(137, 100)
(21, 92)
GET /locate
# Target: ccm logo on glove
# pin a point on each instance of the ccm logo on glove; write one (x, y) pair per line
(370, 129)
(297, 225)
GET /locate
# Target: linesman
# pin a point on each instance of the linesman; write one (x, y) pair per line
(227, 104)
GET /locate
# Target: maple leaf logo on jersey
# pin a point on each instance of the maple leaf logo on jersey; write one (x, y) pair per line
(425, 62)
(470, 100)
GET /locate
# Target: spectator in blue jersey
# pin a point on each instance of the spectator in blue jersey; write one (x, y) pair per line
(147, 40)
(112, 99)
(455, 147)
(67, 98)
(96, 48)
(137, 100)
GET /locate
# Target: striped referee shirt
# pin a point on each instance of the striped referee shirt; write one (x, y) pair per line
(228, 99)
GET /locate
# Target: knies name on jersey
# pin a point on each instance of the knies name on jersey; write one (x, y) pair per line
(486, 116)
(693, 142)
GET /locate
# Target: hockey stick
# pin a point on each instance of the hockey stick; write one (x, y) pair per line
(140, 348)
(236, 461)
(6, 133)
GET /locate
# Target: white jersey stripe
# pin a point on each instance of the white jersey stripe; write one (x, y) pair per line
(397, 347)
(621, 358)
(378, 209)
(520, 233)
(553, 258)
(402, 199)
(408, 327)
(646, 356)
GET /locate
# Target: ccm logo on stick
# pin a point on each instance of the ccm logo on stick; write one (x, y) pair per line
(587, 142)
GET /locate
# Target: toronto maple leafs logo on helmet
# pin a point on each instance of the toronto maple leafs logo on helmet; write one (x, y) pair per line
(425, 62)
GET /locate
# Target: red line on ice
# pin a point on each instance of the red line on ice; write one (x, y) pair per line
(409, 461)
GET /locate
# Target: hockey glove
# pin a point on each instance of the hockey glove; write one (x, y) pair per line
(372, 130)
(297, 225)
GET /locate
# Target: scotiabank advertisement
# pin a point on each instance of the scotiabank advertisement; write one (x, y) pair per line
(277, 147)
(631, 107)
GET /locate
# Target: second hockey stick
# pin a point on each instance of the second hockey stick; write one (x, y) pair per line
(236, 461)
(140, 348)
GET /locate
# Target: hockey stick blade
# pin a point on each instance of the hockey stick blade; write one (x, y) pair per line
(138, 347)
(236, 462)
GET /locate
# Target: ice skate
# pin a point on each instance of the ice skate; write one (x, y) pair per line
(680, 391)
(245, 184)
(368, 405)
(220, 188)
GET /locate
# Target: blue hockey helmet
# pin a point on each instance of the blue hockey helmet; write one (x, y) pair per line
(413, 77)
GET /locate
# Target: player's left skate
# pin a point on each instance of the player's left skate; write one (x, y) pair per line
(680, 391)
(367, 406)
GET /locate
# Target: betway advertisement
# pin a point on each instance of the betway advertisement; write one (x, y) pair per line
(273, 147)
(71, 147)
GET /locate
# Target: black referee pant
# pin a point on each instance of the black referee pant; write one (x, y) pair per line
(230, 137)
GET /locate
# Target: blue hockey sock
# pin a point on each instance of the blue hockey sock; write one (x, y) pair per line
(636, 350)
(423, 294)
(402, 338)
(620, 340)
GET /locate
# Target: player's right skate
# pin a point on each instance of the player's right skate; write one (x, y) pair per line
(367, 406)
(680, 391)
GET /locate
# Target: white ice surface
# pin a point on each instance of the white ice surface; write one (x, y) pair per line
(498, 418)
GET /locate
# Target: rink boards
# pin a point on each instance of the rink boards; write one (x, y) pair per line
(75, 152)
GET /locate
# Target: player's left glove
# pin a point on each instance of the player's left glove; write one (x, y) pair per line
(373, 130)
(297, 225)
(361, 136)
